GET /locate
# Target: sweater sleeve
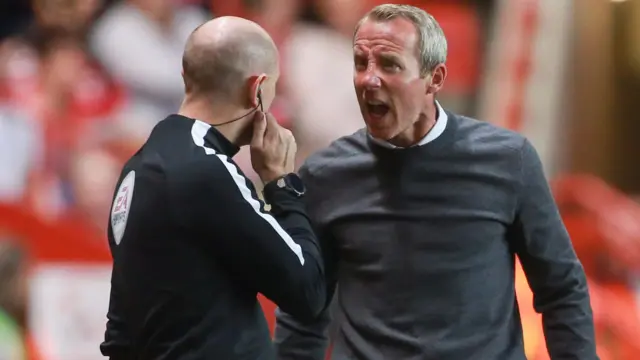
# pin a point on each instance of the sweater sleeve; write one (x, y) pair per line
(552, 268)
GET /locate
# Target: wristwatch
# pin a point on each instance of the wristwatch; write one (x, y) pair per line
(292, 183)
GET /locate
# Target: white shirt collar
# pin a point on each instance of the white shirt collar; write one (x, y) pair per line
(437, 130)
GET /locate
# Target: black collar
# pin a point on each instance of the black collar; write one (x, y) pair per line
(216, 140)
(212, 139)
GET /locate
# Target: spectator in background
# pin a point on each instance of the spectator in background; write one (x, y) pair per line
(318, 69)
(74, 16)
(276, 16)
(141, 43)
(19, 153)
(93, 177)
(63, 95)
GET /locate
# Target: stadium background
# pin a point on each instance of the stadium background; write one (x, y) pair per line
(82, 82)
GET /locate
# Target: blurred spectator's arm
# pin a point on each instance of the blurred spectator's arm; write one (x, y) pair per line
(135, 50)
(136, 60)
(25, 142)
(552, 269)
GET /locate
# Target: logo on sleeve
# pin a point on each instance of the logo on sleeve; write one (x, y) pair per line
(121, 206)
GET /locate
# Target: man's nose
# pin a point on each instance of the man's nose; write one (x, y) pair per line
(371, 80)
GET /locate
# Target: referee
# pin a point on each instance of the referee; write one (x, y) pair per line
(191, 243)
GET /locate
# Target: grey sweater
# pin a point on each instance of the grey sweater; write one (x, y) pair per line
(422, 243)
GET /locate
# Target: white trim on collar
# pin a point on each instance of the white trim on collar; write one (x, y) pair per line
(437, 130)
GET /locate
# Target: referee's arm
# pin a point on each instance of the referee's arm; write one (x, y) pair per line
(275, 253)
(117, 340)
(294, 338)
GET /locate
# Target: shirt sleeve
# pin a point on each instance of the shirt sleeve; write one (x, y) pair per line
(552, 268)
(117, 340)
(276, 253)
(294, 338)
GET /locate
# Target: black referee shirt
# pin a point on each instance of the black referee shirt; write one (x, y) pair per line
(192, 246)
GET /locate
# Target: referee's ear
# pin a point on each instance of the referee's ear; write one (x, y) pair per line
(255, 89)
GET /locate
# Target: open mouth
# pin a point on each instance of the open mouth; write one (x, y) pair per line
(377, 108)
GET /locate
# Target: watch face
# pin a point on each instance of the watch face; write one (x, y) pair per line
(296, 183)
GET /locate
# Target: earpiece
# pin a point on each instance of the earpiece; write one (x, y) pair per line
(260, 99)
(256, 108)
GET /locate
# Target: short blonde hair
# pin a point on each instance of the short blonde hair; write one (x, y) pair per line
(432, 44)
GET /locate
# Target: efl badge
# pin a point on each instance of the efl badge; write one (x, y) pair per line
(121, 206)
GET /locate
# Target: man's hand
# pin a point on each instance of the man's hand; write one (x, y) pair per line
(273, 148)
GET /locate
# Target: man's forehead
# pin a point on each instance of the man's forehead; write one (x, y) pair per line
(398, 33)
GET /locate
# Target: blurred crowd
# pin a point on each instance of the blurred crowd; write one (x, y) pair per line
(82, 82)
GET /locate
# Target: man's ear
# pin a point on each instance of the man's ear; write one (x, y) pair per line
(438, 76)
(256, 88)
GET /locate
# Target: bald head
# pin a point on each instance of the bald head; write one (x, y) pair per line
(222, 54)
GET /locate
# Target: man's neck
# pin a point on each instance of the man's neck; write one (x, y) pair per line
(234, 131)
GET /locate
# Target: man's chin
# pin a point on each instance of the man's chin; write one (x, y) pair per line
(380, 127)
(381, 134)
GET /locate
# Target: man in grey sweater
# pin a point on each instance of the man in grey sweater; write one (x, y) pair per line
(422, 215)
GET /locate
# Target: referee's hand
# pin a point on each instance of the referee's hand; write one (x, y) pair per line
(273, 148)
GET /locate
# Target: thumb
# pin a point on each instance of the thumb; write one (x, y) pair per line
(259, 128)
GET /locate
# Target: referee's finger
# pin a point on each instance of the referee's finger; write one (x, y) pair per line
(292, 149)
(272, 127)
(259, 128)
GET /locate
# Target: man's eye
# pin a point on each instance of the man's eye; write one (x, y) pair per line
(390, 65)
(360, 63)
